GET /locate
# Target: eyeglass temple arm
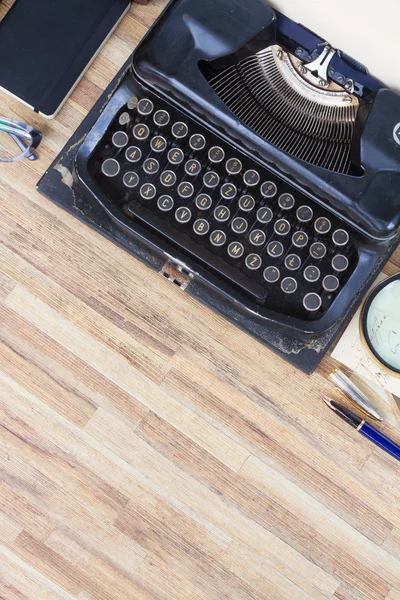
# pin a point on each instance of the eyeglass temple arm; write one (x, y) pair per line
(23, 146)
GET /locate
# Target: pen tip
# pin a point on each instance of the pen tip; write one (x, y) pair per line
(327, 401)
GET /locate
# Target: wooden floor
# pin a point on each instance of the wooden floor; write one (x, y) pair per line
(149, 449)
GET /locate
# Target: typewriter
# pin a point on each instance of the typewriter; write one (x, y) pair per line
(259, 165)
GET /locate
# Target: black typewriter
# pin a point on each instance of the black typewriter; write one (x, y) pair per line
(259, 164)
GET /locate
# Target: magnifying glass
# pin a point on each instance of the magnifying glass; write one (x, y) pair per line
(380, 325)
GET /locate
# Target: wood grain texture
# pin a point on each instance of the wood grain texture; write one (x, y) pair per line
(149, 450)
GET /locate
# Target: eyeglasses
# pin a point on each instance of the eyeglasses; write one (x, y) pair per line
(17, 141)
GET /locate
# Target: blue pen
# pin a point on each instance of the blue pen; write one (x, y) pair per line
(364, 428)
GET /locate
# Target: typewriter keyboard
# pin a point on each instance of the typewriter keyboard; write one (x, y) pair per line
(227, 211)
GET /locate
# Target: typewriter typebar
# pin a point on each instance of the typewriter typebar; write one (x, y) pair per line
(267, 168)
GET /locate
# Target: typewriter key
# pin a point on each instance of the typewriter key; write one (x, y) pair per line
(233, 166)
(304, 214)
(282, 227)
(132, 103)
(253, 262)
(289, 285)
(300, 239)
(218, 238)
(264, 215)
(133, 154)
(235, 250)
(247, 203)
(286, 201)
(197, 142)
(251, 178)
(193, 167)
(201, 227)
(203, 202)
(179, 130)
(141, 132)
(275, 249)
(257, 237)
(292, 262)
(222, 214)
(268, 189)
(145, 107)
(131, 179)
(161, 118)
(340, 263)
(185, 189)
(330, 283)
(272, 274)
(228, 191)
(211, 179)
(124, 118)
(312, 302)
(175, 156)
(148, 191)
(110, 167)
(322, 225)
(216, 154)
(340, 237)
(158, 144)
(312, 274)
(239, 225)
(168, 178)
(183, 215)
(165, 203)
(318, 250)
(120, 139)
(151, 166)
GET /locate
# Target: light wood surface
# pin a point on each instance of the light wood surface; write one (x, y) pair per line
(151, 450)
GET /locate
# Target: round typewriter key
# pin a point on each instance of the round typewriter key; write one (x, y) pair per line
(197, 142)
(251, 178)
(300, 239)
(233, 166)
(292, 262)
(222, 214)
(275, 249)
(179, 130)
(318, 250)
(340, 263)
(253, 262)
(235, 250)
(201, 227)
(203, 202)
(151, 166)
(141, 131)
(211, 179)
(158, 143)
(148, 191)
(239, 225)
(110, 167)
(132, 103)
(185, 189)
(304, 214)
(311, 274)
(216, 154)
(133, 154)
(272, 274)
(120, 139)
(131, 179)
(161, 118)
(168, 178)
(282, 227)
(268, 189)
(218, 238)
(247, 203)
(165, 203)
(257, 237)
(175, 156)
(286, 201)
(183, 215)
(264, 215)
(145, 107)
(289, 285)
(322, 225)
(330, 283)
(228, 191)
(340, 237)
(193, 167)
(124, 118)
(312, 302)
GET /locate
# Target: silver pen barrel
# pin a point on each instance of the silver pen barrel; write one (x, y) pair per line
(354, 393)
